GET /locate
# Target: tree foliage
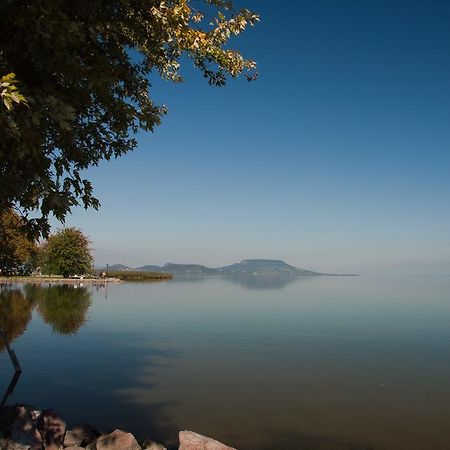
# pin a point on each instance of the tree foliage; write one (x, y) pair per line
(67, 253)
(16, 249)
(9, 92)
(75, 86)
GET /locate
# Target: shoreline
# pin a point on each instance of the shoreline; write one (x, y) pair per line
(26, 427)
(57, 280)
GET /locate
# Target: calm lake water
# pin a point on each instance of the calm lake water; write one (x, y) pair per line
(318, 363)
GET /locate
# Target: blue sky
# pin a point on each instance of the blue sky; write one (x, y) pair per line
(335, 159)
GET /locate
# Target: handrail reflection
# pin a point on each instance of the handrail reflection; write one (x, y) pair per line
(10, 389)
(17, 369)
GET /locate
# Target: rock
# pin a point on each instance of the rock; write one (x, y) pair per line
(117, 440)
(81, 435)
(34, 414)
(3, 443)
(24, 435)
(22, 410)
(93, 444)
(8, 414)
(18, 428)
(71, 439)
(148, 444)
(193, 441)
(52, 429)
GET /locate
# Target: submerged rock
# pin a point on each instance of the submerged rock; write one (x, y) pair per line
(194, 441)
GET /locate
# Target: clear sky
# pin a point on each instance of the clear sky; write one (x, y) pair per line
(335, 159)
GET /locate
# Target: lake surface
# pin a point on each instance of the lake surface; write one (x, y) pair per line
(318, 363)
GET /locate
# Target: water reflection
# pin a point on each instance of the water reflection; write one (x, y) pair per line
(246, 281)
(263, 282)
(10, 389)
(63, 307)
(15, 314)
(307, 441)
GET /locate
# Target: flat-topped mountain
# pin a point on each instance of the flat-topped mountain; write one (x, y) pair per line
(260, 267)
(264, 267)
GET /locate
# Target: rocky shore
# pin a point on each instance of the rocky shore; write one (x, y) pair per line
(23, 427)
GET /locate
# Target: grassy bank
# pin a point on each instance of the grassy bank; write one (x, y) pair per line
(131, 275)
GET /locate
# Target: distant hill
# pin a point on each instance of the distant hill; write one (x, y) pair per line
(188, 269)
(264, 267)
(149, 268)
(259, 267)
(117, 268)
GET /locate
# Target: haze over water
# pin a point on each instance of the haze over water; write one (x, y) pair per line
(319, 363)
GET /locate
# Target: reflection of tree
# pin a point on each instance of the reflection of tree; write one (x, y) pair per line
(63, 307)
(15, 313)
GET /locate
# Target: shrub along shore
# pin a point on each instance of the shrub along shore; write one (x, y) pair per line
(134, 275)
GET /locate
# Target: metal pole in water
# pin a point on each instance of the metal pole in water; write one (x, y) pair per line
(12, 354)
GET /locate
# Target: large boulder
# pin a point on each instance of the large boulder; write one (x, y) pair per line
(8, 414)
(52, 429)
(24, 435)
(18, 429)
(194, 441)
(117, 440)
(81, 436)
(148, 444)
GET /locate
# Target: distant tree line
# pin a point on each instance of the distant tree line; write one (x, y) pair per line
(66, 253)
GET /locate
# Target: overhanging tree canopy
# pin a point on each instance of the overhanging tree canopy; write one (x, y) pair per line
(16, 249)
(75, 86)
